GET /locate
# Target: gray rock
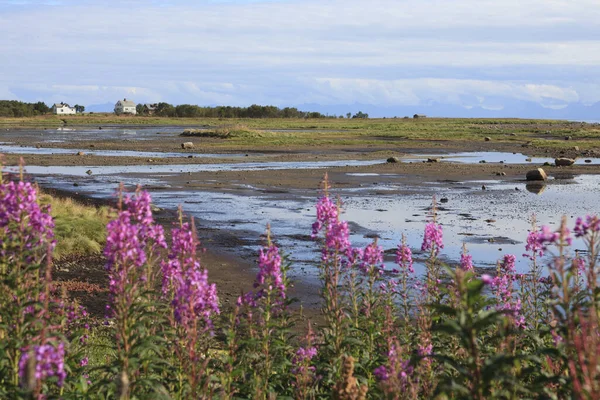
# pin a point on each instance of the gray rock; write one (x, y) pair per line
(433, 160)
(487, 138)
(588, 161)
(80, 153)
(576, 148)
(564, 162)
(187, 145)
(393, 160)
(536, 175)
(89, 172)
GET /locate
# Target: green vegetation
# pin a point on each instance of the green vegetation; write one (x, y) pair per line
(10, 108)
(257, 132)
(79, 229)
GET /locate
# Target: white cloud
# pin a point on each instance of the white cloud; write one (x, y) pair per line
(279, 52)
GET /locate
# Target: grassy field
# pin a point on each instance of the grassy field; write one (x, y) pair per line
(546, 134)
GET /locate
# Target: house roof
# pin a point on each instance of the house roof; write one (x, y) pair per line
(60, 105)
(126, 103)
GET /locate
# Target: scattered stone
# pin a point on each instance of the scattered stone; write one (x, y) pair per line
(568, 138)
(490, 221)
(547, 164)
(190, 156)
(76, 184)
(92, 145)
(483, 187)
(444, 200)
(500, 173)
(393, 160)
(536, 175)
(588, 161)
(487, 138)
(37, 146)
(576, 148)
(528, 159)
(431, 160)
(89, 172)
(482, 162)
(150, 160)
(80, 153)
(513, 134)
(187, 145)
(564, 162)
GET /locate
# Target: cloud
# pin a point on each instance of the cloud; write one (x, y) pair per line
(314, 51)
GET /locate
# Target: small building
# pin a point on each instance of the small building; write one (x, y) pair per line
(63, 109)
(150, 109)
(125, 107)
(417, 116)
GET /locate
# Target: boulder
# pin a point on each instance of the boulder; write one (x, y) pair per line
(564, 162)
(588, 161)
(80, 153)
(487, 138)
(576, 148)
(536, 175)
(393, 160)
(187, 145)
(433, 160)
(89, 172)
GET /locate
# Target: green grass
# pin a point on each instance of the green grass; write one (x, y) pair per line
(79, 229)
(273, 132)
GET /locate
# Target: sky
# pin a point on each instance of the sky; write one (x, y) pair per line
(453, 55)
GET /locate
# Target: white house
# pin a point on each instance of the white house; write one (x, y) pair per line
(63, 109)
(125, 107)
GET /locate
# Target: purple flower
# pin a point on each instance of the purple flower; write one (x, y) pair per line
(83, 362)
(49, 362)
(432, 239)
(466, 262)
(404, 258)
(327, 213)
(370, 259)
(302, 359)
(590, 224)
(24, 225)
(269, 269)
(535, 243)
(487, 279)
(194, 298)
(397, 369)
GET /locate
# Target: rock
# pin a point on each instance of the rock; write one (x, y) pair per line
(80, 153)
(37, 146)
(190, 156)
(393, 160)
(588, 161)
(444, 200)
(487, 138)
(187, 145)
(567, 137)
(100, 127)
(536, 175)
(500, 173)
(501, 162)
(92, 145)
(564, 162)
(528, 159)
(490, 221)
(150, 160)
(513, 134)
(576, 148)
(483, 187)
(89, 172)
(76, 184)
(433, 160)
(547, 164)
(482, 162)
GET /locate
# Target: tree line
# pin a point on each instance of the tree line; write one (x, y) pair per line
(13, 108)
(253, 111)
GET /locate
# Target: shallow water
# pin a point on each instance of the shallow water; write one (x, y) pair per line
(492, 157)
(83, 133)
(110, 153)
(492, 223)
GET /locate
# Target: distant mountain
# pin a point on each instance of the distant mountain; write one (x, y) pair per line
(106, 107)
(514, 109)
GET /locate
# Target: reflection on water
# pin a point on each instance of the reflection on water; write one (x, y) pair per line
(492, 157)
(537, 188)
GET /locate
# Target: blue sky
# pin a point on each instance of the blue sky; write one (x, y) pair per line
(484, 54)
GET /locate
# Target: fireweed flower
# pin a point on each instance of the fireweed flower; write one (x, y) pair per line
(301, 361)
(590, 224)
(404, 259)
(22, 220)
(535, 243)
(327, 212)
(466, 261)
(269, 269)
(503, 289)
(195, 299)
(372, 259)
(49, 362)
(397, 369)
(182, 253)
(432, 239)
